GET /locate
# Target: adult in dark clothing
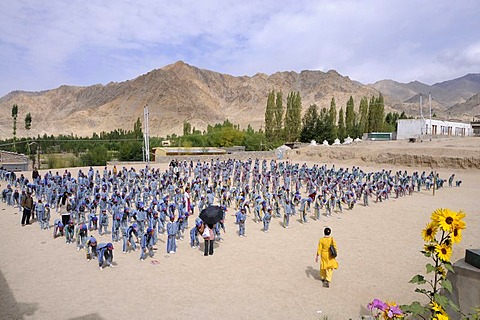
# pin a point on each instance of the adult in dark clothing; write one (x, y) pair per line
(27, 205)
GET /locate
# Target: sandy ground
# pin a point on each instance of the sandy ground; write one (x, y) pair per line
(264, 276)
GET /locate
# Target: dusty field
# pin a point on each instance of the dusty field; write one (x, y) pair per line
(264, 276)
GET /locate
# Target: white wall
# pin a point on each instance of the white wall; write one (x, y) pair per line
(414, 128)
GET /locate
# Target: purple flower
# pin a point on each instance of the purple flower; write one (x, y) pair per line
(394, 311)
(377, 304)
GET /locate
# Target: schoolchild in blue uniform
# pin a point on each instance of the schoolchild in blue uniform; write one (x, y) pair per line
(82, 234)
(128, 238)
(147, 244)
(58, 228)
(117, 219)
(241, 218)
(266, 219)
(69, 231)
(194, 242)
(105, 254)
(172, 229)
(40, 209)
(91, 248)
(103, 229)
(288, 211)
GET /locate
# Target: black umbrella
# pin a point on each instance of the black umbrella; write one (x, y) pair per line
(211, 214)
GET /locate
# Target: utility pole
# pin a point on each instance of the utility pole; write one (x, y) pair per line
(430, 104)
(146, 136)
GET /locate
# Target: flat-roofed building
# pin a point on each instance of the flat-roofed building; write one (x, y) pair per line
(416, 128)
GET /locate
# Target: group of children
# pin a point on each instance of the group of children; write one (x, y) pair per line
(138, 207)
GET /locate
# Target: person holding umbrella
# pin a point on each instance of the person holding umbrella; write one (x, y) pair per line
(210, 216)
(209, 237)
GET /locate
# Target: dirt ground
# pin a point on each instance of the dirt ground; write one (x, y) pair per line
(263, 276)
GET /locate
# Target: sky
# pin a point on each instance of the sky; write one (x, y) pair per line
(46, 44)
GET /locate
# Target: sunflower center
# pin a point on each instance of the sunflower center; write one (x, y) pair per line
(444, 251)
(455, 232)
(429, 232)
(449, 220)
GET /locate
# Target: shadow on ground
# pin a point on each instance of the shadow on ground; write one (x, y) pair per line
(11, 309)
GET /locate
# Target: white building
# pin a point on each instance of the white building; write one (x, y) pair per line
(416, 128)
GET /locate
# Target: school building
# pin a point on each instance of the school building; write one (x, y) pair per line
(416, 128)
(186, 151)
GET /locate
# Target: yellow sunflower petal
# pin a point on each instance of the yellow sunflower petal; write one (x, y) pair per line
(428, 234)
(443, 252)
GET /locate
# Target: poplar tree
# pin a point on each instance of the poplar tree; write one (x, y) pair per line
(278, 118)
(341, 131)
(269, 116)
(297, 115)
(14, 117)
(309, 124)
(363, 115)
(28, 121)
(332, 122)
(350, 118)
(289, 118)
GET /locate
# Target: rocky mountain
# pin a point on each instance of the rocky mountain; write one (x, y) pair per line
(469, 108)
(445, 94)
(174, 93)
(180, 92)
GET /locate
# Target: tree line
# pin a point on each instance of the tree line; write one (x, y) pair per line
(325, 123)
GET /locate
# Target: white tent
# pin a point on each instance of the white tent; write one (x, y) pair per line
(281, 151)
(313, 143)
(336, 142)
(325, 143)
(348, 140)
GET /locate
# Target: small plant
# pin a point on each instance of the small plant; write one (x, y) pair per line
(444, 230)
(384, 310)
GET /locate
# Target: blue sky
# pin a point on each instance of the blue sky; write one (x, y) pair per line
(44, 44)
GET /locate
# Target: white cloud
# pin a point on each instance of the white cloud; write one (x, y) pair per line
(44, 44)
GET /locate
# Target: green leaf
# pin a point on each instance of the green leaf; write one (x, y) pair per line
(453, 306)
(415, 309)
(430, 267)
(446, 284)
(419, 279)
(420, 290)
(448, 266)
(441, 300)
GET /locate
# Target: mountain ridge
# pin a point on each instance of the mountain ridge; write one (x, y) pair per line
(180, 92)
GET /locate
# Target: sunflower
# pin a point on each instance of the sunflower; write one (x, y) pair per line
(443, 252)
(447, 219)
(428, 234)
(436, 214)
(441, 317)
(429, 247)
(436, 307)
(456, 235)
(441, 271)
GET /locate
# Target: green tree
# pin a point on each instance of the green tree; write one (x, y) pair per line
(187, 128)
(137, 129)
(130, 151)
(28, 121)
(270, 116)
(96, 156)
(341, 131)
(380, 113)
(278, 118)
(331, 126)
(350, 119)
(309, 124)
(290, 121)
(14, 117)
(363, 110)
(371, 115)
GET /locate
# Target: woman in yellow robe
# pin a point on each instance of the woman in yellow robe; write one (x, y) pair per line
(327, 261)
